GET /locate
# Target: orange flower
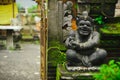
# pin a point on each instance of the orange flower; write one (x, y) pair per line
(74, 26)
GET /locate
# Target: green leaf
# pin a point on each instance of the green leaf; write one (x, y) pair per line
(99, 20)
(111, 62)
(76, 6)
(110, 71)
(118, 63)
(114, 66)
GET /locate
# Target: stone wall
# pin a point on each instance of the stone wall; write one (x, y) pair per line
(52, 20)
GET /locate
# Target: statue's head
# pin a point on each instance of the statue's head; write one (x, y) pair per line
(84, 27)
(84, 24)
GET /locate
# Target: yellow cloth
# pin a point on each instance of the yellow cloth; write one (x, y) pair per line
(6, 13)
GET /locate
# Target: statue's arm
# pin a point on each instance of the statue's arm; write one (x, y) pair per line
(67, 42)
(70, 39)
(92, 42)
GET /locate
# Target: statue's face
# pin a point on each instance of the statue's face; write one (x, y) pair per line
(84, 27)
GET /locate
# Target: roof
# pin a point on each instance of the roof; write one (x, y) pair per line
(6, 1)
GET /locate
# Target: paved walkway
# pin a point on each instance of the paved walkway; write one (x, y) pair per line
(20, 64)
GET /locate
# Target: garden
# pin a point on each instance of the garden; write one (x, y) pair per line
(109, 29)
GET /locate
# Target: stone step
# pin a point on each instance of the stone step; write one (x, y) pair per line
(73, 73)
(51, 78)
(51, 72)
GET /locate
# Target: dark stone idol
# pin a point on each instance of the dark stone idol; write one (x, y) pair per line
(82, 44)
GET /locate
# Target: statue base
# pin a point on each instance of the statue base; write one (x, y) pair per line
(75, 72)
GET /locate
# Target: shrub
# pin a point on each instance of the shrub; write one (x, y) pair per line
(56, 54)
(110, 71)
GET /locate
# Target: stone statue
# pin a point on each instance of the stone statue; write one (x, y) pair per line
(67, 17)
(82, 44)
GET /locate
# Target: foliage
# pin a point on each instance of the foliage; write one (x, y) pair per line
(58, 73)
(31, 9)
(111, 28)
(11, 48)
(109, 72)
(76, 6)
(20, 7)
(111, 43)
(99, 20)
(56, 53)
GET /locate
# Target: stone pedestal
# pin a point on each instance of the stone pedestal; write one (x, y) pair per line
(9, 41)
(75, 73)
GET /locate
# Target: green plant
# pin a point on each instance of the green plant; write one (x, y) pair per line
(99, 20)
(56, 53)
(31, 9)
(109, 72)
(11, 48)
(111, 28)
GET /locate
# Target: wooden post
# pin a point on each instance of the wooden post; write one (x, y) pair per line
(43, 41)
(13, 9)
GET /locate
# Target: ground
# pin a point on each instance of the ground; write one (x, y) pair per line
(21, 64)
